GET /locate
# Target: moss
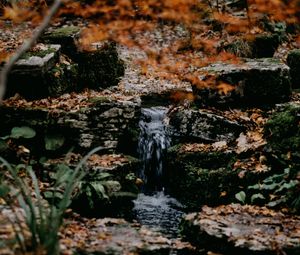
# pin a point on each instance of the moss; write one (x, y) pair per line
(101, 68)
(195, 186)
(240, 48)
(293, 61)
(99, 100)
(282, 130)
(64, 32)
(40, 54)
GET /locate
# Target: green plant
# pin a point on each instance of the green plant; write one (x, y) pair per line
(274, 191)
(43, 219)
(97, 186)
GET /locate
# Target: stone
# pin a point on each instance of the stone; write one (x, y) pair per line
(237, 229)
(293, 61)
(29, 75)
(264, 45)
(199, 126)
(282, 131)
(201, 177)
(117, 236)
(258, 82)
(66, 36)
(261, 46)
(101, 67)
(63, 78)
(79, 126)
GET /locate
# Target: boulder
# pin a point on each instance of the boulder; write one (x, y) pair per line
(257, 82)
(201, 177)
(66, 36)
(293, 61)
(29, 75)
(100, 67)
(237, 229)
(200, 125)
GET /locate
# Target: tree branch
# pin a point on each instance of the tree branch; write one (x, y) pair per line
(26, 46)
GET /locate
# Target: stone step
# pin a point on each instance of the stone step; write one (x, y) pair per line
(99, 65)
(258, 82)
(200, 125)
(237, 229)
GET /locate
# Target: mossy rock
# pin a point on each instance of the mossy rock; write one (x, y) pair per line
(62, 79)
(197, 178)
(29, 77)
(101, 67)
(65, 36)
(282, 130)
(265, 45)
(258, 82)
(293, 61)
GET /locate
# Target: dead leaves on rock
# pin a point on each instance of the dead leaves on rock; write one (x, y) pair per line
(71, 102)
(251, 227)
(252, 140)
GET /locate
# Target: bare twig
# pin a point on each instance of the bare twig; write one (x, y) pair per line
(26, 46)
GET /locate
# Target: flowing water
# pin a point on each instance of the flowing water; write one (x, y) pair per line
(154, 208)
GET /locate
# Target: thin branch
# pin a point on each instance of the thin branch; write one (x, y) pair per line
(26, 46)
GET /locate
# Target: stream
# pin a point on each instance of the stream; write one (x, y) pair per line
(153, 207)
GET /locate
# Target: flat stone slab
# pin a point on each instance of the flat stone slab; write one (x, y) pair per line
(38, 74)
(41, 59)
(116, 236)
(199, 125)
(237, 229)
(257, 82)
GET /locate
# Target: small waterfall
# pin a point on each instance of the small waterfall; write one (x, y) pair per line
(152, 147)
(155, 209)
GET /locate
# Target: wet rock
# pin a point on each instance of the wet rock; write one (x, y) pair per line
(293, 61)
(257, 82)
(116, 236)
(237, 229)
(201, 177)
(101, 67)
(29, 75)
(65, 36)
(199, 125)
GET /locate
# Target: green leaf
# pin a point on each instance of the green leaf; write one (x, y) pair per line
(277, 202)
(257, 196)
(290, 185)
(25, 132)
(241, 196)
(54, 141)
(99, 190)
(256, 186)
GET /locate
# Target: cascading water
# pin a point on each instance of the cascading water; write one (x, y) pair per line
(155, 208)
(153, 143)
